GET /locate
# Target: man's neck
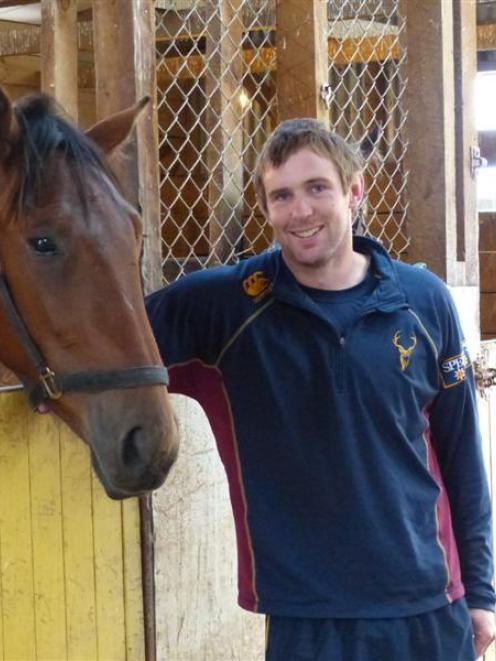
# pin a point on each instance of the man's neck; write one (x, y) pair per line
(334, 275)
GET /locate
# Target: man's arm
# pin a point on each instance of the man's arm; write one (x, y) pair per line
(457, 440)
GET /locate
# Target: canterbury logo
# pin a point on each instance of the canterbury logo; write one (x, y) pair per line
(255, 284)
(405, 354)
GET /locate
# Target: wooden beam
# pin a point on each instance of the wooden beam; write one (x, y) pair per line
(262, 60)
(4, 4)
(259, 15)
(486, 37)
(22, 71)
(302, 64)
(174, 68)
(26, 40)
(20, 42)
(185, 24)
(364, 50)
(224, 126)
(430, 158)
(58, 46)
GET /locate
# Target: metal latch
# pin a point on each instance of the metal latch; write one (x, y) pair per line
(476, 160)
(485, 377)
(326, 94)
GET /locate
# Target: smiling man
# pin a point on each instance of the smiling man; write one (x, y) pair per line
(341, 396)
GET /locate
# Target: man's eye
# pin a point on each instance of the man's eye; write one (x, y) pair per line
(43, 245)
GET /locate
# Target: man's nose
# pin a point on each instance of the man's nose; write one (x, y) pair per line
(302, 207)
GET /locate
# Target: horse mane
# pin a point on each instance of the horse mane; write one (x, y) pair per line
(43, 132)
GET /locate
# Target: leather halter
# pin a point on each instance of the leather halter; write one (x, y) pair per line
(52, 386)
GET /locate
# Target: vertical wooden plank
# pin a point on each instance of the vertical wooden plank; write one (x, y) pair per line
(79, 560)
(2, 648)
(59, 52)
(18, 616)
(465, 63)
(46, 523)
(109, 584)
(302, 60)
(430, 157)
(133, 606)
(223, 38)
(145, 73)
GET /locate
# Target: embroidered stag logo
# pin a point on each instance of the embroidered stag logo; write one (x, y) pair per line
(405, 353)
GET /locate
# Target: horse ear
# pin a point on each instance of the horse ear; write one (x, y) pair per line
(8, 125)
(112, 131)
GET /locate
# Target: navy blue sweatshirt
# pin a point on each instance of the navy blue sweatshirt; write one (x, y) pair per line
(354, 462)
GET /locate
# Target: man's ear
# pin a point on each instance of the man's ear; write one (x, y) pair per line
(9, 128)
(356, 190)
(109, 133)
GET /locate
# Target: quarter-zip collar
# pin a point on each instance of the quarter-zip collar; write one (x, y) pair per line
(386, 297)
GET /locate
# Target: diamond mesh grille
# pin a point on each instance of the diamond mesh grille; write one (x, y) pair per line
(217, 104)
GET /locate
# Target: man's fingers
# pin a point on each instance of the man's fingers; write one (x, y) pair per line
(483, 626)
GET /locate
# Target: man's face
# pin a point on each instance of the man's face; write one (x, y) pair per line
(309, 212)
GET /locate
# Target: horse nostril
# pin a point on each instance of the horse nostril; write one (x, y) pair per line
(130, 447)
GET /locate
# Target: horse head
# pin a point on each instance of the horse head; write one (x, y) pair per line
(70, 264)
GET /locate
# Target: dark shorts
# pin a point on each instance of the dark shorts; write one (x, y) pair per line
(441, 635)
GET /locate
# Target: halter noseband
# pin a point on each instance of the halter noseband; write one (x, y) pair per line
(52, 386)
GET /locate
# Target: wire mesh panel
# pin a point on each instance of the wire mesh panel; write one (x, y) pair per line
(366, 94)
(216, 108)
(217, 104)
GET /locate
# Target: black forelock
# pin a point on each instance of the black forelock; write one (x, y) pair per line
(43, 132)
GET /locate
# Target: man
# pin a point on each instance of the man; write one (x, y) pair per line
(342, 400)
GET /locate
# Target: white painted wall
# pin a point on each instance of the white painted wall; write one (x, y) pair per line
(197, 615)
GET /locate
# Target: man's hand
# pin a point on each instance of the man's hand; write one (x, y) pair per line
(484, 628)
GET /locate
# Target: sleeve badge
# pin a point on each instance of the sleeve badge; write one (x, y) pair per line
(454, 369)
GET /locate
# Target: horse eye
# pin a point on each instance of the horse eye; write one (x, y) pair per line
(43, 245)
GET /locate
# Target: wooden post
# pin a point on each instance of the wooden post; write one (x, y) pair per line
(302, 58)
(59, 53)
(124, 38)
(443, 235)
(442, 221)
(223, 55)
(465, 39)
(430, 157)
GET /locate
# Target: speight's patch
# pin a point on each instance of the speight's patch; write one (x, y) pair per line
(454, 369)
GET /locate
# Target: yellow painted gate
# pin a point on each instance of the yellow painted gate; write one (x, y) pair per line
(70, 579)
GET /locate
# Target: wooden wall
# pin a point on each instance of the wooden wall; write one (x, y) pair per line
(487, 253)
(70, 563)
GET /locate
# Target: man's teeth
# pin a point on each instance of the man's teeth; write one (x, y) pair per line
(304, 234)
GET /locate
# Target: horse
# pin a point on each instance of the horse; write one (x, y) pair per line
(73, 326)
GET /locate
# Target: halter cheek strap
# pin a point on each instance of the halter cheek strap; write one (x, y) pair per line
(52, 386)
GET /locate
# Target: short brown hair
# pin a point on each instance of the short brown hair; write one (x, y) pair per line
(295, 134)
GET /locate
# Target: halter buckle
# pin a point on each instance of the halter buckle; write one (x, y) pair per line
(47, 378)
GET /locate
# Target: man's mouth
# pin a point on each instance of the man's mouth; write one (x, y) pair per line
(306, 234)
